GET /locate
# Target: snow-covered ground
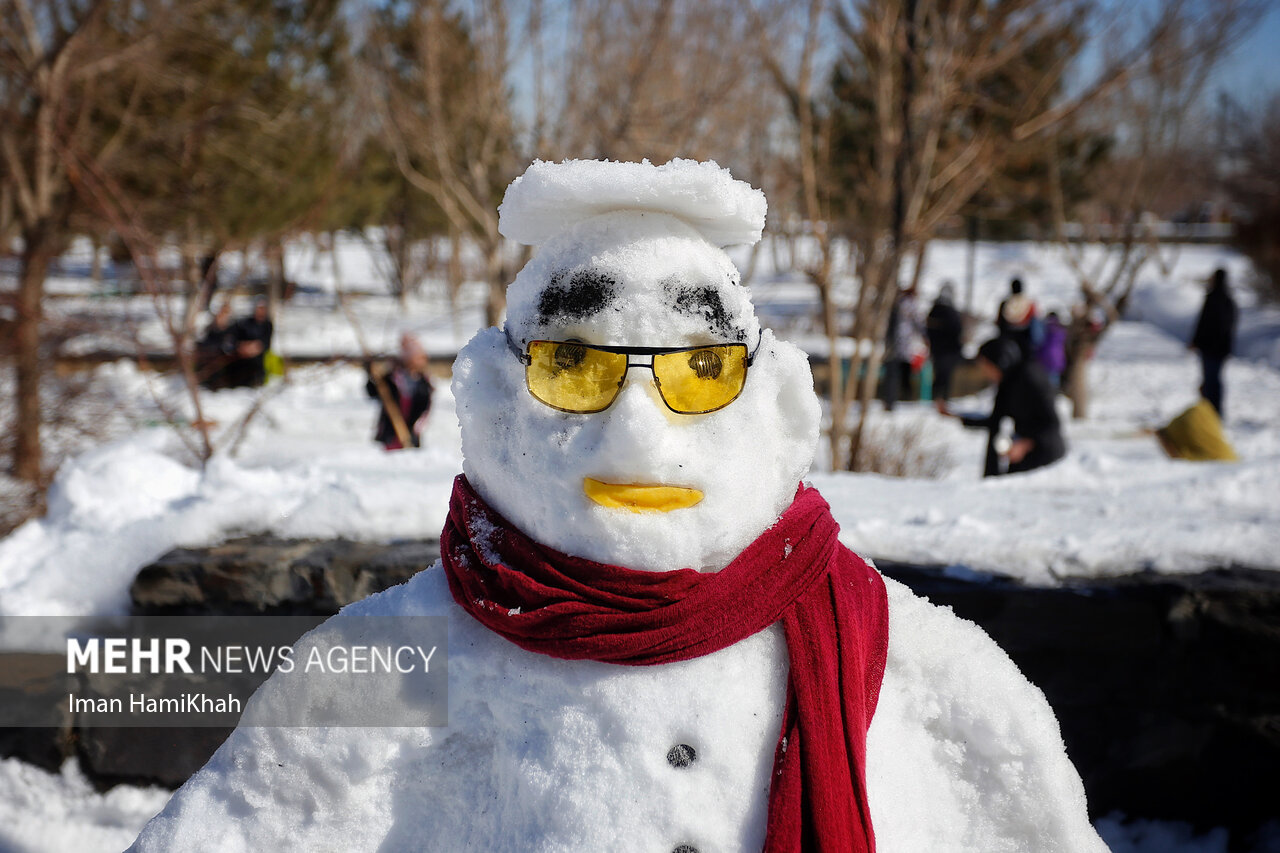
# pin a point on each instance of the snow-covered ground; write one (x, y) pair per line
(307, 467)
(43, 812)
(1115, 505)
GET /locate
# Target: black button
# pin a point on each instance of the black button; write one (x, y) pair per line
(682, 755)
(685, 848)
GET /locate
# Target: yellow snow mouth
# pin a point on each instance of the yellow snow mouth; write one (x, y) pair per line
(638, 498)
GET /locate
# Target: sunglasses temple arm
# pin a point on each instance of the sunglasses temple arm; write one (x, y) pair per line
(511, 344)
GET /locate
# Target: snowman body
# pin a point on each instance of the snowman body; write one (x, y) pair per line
(542, 754)
(548, 755)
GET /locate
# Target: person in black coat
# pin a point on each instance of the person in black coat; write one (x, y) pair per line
(253, 339)
(216, 350)
(944, 328)
(1215, 336)
(405, 386)
(1025, 397)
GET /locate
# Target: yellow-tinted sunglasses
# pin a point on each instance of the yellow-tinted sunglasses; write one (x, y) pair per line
(586, 378)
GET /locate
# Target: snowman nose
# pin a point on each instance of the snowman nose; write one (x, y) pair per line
(639, 401)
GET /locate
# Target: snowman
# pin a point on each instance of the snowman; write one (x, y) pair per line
(656, 640)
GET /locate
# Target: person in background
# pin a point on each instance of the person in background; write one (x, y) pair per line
(1017, 320)
(945, 329)
(904, 341)
(216, 350)
(1024, 398)
(404, 389)
(253, 339)
(1197, 435)
(1015, 292)
(1214, 337)
(1052, 352)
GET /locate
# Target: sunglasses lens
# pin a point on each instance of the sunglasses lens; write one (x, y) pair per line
(702, 380)
(573, 377)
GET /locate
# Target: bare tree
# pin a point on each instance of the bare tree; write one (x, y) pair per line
(467, 98)
(946, 94)
(1113, 235)
(941, 89)
(60, 60)
(134, 116)
(438, 83)
(175, 314)
(681, 84)
(1253, 181)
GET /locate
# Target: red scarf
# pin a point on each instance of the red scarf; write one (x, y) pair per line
(832, 606)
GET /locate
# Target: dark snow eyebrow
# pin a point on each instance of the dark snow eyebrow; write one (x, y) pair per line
(702, 301)
(586, 292)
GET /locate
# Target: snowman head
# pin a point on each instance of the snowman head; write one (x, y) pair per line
(632, 410)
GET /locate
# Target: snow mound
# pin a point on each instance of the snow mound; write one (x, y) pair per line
(152, 481)
(551, 197)
(42, 811)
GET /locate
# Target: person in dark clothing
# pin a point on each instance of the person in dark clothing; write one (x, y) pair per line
(944, 328)
(1214, 337)
(253, 339)
(1024, 397)
(405, 392)
(216, 350)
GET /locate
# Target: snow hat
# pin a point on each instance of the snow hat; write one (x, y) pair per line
(1015, 286)
(1002, 352)
(551, 197)
(629, 254)
(947, 293)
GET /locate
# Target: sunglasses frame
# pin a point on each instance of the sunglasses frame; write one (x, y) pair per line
(527, 360)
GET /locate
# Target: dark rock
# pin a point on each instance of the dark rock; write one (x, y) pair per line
(146, 756)
(263, 574)
(1167, 687)
(33, 688)
(259, 574)
(243, 575)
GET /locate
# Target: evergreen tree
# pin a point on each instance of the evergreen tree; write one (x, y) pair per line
(237, 141)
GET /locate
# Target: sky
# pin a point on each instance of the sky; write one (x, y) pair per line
(1252, 72)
